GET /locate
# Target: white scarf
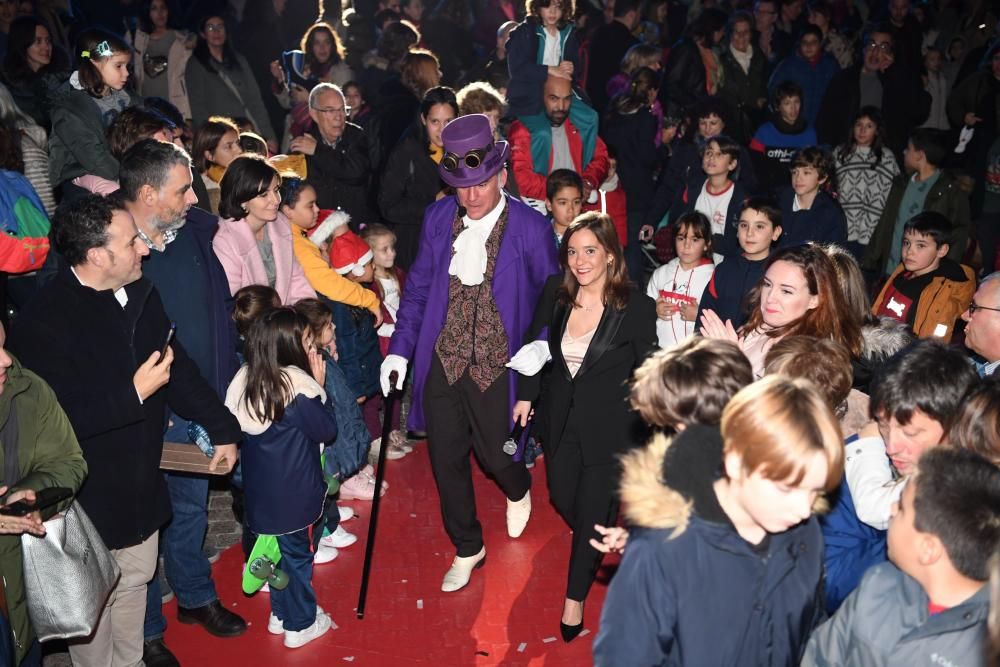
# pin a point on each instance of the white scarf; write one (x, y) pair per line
(742, 58)
(469, 261)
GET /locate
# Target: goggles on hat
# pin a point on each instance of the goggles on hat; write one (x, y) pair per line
(472, 160)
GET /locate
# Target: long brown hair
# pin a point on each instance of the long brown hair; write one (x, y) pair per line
(616, 288)
(831, 318)
(273, 342)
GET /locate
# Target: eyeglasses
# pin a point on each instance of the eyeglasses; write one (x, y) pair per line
(215, 27)
(885, 47)
(472, 159)
(973, 307)
(336, 111)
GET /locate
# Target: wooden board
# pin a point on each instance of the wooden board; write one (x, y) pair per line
(186, 457)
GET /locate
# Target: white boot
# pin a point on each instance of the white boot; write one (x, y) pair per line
(461, 569)
(518, 513)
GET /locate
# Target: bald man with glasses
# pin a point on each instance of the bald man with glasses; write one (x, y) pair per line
(982, 325)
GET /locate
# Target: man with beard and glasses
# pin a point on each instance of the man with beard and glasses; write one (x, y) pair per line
(156, 181)
(545, 142)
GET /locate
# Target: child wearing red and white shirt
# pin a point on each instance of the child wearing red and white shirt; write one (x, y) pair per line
(678, 285)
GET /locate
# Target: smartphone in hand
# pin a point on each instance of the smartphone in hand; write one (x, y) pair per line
(43, 499)
(170, 338)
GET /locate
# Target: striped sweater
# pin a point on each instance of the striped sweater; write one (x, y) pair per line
(35, 151)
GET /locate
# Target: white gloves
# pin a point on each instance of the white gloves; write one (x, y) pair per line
(531, 358)
(393, 363)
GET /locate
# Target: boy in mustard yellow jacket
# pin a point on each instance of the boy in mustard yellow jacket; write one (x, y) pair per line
(927, 291)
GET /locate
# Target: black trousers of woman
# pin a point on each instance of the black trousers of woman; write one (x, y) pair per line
(584, 494)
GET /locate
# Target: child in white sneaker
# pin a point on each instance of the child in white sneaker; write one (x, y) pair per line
(278, 396)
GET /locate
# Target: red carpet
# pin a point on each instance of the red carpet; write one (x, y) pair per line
(507, 615)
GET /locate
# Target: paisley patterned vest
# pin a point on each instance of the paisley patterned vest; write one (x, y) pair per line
(473, 337)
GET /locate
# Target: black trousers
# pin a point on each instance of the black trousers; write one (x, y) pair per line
(461, 418)
(583, 495)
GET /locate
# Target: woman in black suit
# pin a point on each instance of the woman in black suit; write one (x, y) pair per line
(600, 328)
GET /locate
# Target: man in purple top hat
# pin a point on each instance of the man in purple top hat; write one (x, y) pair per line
(470, 296)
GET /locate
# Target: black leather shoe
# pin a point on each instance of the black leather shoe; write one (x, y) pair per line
(156, 654)
(215, 618)
(569, 632)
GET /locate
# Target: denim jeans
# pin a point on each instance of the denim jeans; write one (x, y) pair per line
(295, 606)
(187, 568)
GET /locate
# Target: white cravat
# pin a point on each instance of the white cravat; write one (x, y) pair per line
(469, 261)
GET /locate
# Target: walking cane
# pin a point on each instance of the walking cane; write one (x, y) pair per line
(379, 475)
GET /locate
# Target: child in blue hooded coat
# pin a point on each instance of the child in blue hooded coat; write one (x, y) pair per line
(278, 398)
(726, 569)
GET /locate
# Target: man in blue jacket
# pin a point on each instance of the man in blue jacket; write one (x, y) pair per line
(156, 189)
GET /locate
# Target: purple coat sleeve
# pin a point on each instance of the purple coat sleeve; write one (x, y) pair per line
(418, 281)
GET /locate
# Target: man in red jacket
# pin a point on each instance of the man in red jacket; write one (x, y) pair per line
(546, 142)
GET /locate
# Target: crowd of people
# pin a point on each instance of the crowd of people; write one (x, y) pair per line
(728, 268)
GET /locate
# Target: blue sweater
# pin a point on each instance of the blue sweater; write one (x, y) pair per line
(774, 148)
(195, 294)
(734, 277)
(813, 79)
(823, 222)
(850, 546)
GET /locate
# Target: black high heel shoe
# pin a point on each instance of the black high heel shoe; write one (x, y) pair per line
(570, 632)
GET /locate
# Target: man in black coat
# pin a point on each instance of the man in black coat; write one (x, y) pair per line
(878, 81)
(95, 334)
(156, 190)
(336, 155)
(607, 47)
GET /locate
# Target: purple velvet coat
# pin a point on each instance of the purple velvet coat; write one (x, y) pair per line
(526, 259)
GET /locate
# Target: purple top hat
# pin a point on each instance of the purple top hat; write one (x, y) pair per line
(470, 154)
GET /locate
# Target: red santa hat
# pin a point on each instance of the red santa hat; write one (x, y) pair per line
(349, 254)
(326, 223)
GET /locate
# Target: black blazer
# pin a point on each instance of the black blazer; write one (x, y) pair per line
(605, 422)
(87, 347)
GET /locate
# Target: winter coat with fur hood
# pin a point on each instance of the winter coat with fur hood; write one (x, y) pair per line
(282, 473)
(690, 590)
